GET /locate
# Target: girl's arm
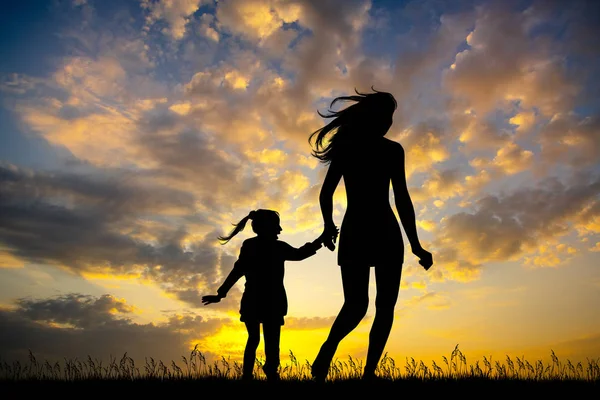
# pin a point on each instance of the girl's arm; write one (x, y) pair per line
(234, 276)
(236, 273)
(298, 254)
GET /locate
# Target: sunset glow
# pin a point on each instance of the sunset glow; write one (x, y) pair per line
(133, 133)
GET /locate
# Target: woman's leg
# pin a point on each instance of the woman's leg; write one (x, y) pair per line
(387, 279)
(271, 334)
(355, 282)
(252, 343)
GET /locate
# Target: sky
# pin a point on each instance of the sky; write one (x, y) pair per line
(133, 133)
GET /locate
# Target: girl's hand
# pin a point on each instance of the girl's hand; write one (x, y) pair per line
(213, 298)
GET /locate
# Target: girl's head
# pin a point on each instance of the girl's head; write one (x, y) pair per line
(264, 223)
(369, 117)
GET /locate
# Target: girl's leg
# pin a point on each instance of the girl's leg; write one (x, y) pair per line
(355, 282)
(253, 329)
(271, 334)
(387, 279)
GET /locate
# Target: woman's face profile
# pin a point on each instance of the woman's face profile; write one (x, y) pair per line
(386, 123)
(379, 117)
(381, 122)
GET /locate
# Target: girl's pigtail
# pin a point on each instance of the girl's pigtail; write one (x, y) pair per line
(238, 228)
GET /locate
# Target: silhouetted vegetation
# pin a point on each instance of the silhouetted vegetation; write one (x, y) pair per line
(345, 375)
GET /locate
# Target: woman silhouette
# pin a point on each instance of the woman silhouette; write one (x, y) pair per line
(354, 147)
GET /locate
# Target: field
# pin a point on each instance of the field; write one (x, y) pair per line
(122, 377)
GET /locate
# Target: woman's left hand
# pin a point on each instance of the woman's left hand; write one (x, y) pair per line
(425, 257)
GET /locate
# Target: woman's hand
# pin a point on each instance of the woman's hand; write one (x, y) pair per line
(425, 257)
(329, 236)
(213, 298)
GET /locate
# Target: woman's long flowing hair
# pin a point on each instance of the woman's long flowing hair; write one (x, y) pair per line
(368, 110)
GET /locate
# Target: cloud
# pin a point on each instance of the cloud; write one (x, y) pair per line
(205, 82)
(64, 327)
(176, 13)
(425, 147)
(87, 224)
(513, 76)
(75, 310)
(417, 69)
(477, 133)
(524, 120)
(432, 300)
(571, 139)
(7, 260)
(510, 159)
(550, 255)
(508, 227)
(18, 84)
(257, 19)
(273, 157)
(443, 185)
(506, 60)
(206, 29)
(335, 28)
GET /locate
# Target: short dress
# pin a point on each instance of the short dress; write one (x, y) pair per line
(370, 232)
(262, 262)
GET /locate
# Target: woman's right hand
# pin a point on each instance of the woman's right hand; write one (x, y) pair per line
(329, 236)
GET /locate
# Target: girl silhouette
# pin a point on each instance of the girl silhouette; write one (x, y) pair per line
(261, 262)
(354, 146)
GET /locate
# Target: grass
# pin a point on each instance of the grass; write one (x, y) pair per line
(195, 373)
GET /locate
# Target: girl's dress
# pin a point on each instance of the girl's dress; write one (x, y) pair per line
(261, 262)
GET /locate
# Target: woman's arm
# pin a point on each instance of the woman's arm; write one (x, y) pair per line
(330, 183)
(404, 204)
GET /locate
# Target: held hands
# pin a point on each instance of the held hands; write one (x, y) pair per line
(425, 257)
(329, 236)
(210, 299)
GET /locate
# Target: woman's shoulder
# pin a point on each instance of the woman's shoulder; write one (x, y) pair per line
(392, 145)
(389, 142)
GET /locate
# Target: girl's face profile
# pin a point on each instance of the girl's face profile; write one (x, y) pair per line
(270, 226)
(276, 227)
